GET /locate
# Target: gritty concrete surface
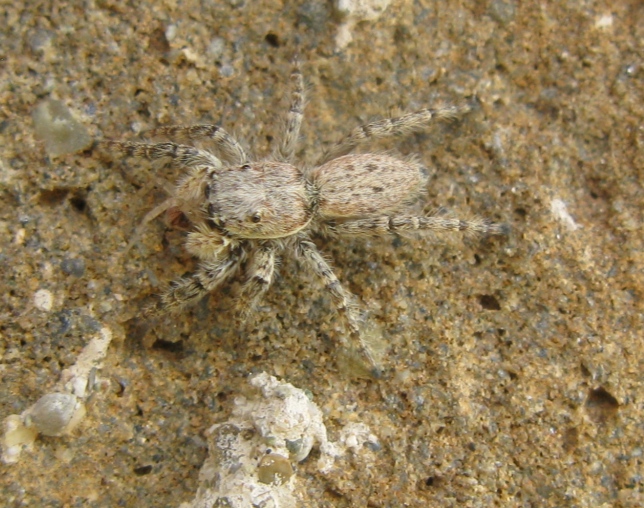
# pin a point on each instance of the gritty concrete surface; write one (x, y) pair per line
(513, 374)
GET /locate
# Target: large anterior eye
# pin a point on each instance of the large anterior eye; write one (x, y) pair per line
(256, 217)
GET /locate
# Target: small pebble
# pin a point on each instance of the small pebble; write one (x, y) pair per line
(59, 130)
(43, 300)
(274, 469)
(55, 414)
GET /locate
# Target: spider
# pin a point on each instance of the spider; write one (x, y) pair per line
(245, 212)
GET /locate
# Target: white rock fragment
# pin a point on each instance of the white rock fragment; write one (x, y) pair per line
(604, 22)
(560, 211)
(353, 437)
(354, 11)
(171, 32)
(284, 415)
(252, 453)
(21, 233)
(75, 379)
(43, 300)
(16, 436)
(361, 10)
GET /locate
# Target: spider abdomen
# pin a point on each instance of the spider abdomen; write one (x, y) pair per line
(364, 185)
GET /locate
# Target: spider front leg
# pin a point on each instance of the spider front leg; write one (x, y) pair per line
(260, 273)
(208, 276)
(180, 156)
(344, 301)
(198, 162)
(230, 149)
(184, 202)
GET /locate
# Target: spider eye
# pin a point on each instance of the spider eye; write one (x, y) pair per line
(256, 217)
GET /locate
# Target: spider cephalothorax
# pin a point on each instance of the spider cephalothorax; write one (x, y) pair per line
(246, 212)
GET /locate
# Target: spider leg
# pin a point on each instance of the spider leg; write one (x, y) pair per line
(391, 127)
(260, 273)
(186, 199)
(286, 149)
(229, 148)
(206, 243)
(344, 301)
(378, 226)
(188, 192)
(187, 290)
(149, 217)
(180, 156)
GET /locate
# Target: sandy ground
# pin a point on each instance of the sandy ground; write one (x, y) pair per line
(513, 369)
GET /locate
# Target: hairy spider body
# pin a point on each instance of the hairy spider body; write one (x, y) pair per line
(259, 200)
(245, 212)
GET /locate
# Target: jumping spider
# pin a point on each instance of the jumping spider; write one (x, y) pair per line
(246, 212)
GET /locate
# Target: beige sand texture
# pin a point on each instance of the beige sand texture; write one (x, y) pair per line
(513, 366)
